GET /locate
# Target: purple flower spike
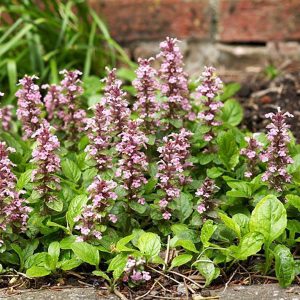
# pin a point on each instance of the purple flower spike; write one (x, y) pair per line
(72, 116)
(174, 155)
(146, 85)
(47, 162)
(133, 162)
(101, 194)
(276, 155)
(6, 117)
(251, 152)
(13, 210)
(99, 133)
(206, 193)
(114, 100)
(54, 103)
(174, 86)
(210, 86)
(29, 104)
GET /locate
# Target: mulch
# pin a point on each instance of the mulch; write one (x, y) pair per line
(260, 95)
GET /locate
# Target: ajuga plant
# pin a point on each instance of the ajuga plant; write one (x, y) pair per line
(125, 183)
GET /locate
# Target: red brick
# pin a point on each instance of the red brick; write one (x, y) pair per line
(131, 20)
(259, 20)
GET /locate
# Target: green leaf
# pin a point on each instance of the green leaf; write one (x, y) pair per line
(206, 268)
(268, 218)
(207, 231)
(284, 265)
(186, 244)
(230, 223)
(70, 264)
(117, 265)
(183, 206)
(139, 208)
(239, 189)
(181, 260)
(24, 179)
(242, 221)
(151, 139)
(230, 90)
(20, 253)
(214, 172)
(87, 253)
(70, 170)
(56, 205)
(75, 209)
(250, 244)
(102, 274)
(149, 244)
(37, 271)
(228, 150)
(232, 113)
(54, 252)
(121, 244)
(294, 200)
(177, 123)
(67, 242)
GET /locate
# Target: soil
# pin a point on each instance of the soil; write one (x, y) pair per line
(260, 95)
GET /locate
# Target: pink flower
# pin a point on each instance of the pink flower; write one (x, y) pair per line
(201, 208)
(54, 103)
(133, 163)
(276, 155)
(113, 218)
(99, 134)
(206, 193)
(174, 156)
(13, 209)
(47, 162)
(167, 215)
(174, 81)
(146, 85)
(6, 116)
(29, 105)
(134, 270)
(252, 154)
(73, 118)
(115, 103)
(101, 199)
(210, 87)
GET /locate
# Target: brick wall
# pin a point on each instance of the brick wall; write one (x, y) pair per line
(234, 34)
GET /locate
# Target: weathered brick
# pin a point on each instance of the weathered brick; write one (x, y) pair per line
(132, 20)
(259, 20)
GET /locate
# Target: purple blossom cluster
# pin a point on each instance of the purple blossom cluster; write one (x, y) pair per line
(54, 102)
(251, 152)
(101, 194)
(276, 155)
(173, 162)
(47, 162)
(206, 193)
(133, 163)
(134, 270)
(6, 117)
(13, 209)
(72, 116)
(174, 85)
(114, 100)
(210, 86)
(146, 85)
(99, 133)
(29, 105)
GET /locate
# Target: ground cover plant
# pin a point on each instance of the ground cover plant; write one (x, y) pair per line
(136, 187)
